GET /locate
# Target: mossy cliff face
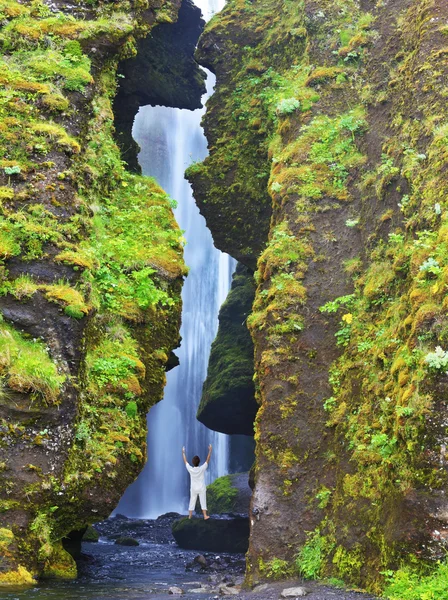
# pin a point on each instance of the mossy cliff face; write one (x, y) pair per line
(163, 72)
(228, 396)
(349, 317)
(90, 277)
(230, 186)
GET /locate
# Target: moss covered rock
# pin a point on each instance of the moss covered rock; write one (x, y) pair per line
(90, 535)
(229, 494)
(163, 72)
(90, 278)
(126, 541)
(338, 112)
(228, 400)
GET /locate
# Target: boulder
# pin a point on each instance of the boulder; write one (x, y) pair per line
(90, 535)
(201, 560)
(294, 592)
(175, 591)
(229, 494)
(228, 590)
(126, 541)
(213, 535)
(228, 400)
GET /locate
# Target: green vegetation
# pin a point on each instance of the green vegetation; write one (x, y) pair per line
(25, 366)
(91, 242)
(276, 568)
(408, 585)
(356, 247)
(221, 495)
(310, 561)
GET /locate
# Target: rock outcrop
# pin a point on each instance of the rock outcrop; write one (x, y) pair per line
(90, 277)
(228, 400)
(229, 494)
(338, 112)
(163, 72)
(214, 535)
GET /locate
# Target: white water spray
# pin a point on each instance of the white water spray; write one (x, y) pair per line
(170, 140)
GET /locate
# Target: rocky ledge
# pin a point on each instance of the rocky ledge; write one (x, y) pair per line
(217, 534)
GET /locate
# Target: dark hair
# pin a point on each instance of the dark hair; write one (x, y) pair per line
(196, 460)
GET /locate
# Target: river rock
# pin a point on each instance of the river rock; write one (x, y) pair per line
(90, 535)
(204, 589)
(200, 560)
(294, 592)
(175, 591)
(126, 541)
(260, 588)
(213, 535)
(227, 590)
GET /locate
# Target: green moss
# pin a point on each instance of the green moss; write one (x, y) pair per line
(221, 495)
(19, 577)
(118, 234)
(276, 568)
(90, 535)
(311, 560)
(60, 564)
(25, 366)
(407, 585)
(72, 300)
(348, 563)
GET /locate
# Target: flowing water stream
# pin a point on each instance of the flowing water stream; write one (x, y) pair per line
(170, 140)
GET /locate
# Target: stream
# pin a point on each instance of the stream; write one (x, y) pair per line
(148, 571)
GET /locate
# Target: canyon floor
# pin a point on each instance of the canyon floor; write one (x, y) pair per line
(148, 571)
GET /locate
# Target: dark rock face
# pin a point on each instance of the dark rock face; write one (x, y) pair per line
(213, 535)
(163, 73)
(228, 400)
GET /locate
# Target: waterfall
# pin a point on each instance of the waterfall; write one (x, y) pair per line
(170, 140)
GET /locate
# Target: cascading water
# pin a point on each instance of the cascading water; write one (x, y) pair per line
(170, 140)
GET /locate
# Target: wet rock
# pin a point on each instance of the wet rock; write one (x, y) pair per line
(90, 535)
(294, 592)
(228, 400)
(175, 591)
(213, 535)
(200, 560)
(204, 589)
(168, 515)
(228, 590)
(127, 541)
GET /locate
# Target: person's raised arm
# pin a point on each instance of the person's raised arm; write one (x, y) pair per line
(183, 455)
(209, 453)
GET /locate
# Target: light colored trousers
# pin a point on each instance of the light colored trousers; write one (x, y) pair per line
(202, 499)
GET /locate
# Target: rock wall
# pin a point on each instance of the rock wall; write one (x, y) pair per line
(228, 397)
(90, 276)
(163, 72)
(331, 117)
